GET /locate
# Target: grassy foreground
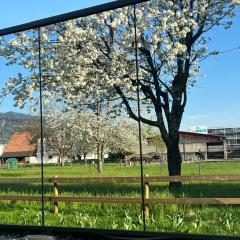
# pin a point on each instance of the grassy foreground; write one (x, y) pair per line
(171, 218)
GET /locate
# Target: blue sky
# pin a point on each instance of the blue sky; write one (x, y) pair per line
(214, 101)
(15, 12)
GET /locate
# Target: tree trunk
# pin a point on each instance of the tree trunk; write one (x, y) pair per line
(61, 161)
(100, 166)
(99, 156)
(79, 157)
(101, 162)
(174, 162)
(102, 153)
(85, 158)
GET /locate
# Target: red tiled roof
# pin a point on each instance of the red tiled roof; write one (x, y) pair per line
(19, 144)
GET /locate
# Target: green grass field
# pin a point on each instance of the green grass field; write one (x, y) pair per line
(171, 218)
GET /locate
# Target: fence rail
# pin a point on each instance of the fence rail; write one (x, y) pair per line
(197, 178)
(96, 180)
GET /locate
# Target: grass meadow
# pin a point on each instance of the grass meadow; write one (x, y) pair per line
(206, 219)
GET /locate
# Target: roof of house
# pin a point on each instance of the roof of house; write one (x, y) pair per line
(209, 135)
(191, 137)
(19, 145)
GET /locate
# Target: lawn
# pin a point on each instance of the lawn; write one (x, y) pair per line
(171, 218)
(111, 169)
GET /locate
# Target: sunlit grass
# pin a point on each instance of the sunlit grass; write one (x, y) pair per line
(111, 169)
(171, 218)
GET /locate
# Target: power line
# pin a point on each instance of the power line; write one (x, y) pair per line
(230, 50)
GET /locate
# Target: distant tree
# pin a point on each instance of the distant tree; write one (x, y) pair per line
(160, 145)
(112, 136)
(123, 138)
(82, 126)
(62, 136)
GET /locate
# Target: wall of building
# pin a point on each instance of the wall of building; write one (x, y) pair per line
(188, 151)
(2, 146)
(37, 160)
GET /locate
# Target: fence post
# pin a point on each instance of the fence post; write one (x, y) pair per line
(55, 194)
(146, 196)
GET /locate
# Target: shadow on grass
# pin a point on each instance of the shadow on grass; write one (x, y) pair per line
(197, 190)
(204, 190)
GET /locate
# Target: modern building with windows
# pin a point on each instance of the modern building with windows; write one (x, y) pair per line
(232, 136)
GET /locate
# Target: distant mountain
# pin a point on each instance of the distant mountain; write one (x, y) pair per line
(11, 122)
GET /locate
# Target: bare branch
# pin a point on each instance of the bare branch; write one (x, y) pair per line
(131, 113)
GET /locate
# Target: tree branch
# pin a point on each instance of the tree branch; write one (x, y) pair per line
(131, 113)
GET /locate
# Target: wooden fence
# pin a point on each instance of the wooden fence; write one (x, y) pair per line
(55, 198)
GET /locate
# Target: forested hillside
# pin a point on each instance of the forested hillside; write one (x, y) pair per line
(11, 122)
